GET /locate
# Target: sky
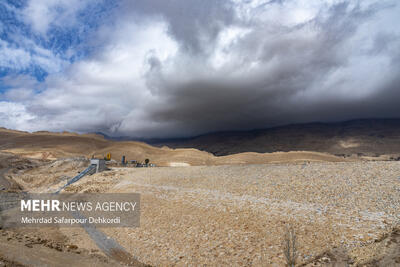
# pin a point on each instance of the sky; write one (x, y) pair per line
(178, 68)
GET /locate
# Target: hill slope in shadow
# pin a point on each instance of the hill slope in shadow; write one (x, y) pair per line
(369, 137)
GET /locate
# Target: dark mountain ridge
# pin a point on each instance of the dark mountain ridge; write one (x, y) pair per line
(365, 137)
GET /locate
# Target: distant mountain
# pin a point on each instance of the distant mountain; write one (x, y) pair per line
(366, 137)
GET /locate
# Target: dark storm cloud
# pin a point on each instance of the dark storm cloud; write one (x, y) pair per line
(194, 24)
(179, 68)
(289, 64)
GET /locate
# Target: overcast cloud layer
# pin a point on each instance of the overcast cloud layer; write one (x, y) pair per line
(151, 68)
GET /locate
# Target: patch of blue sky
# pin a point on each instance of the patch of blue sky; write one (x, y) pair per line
(3, 86)
(16, 3)
(68, 43)
(62, 40)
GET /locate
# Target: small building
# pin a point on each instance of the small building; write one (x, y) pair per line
(100, 164)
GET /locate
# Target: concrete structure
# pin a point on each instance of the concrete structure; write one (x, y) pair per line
(100, 164)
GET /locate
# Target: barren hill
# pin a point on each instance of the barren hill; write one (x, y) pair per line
(47, 145)
(360, 137)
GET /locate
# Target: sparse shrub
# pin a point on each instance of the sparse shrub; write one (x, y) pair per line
(289, 246)
(146, 161)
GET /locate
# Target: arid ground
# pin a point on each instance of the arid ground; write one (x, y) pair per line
(229, 211)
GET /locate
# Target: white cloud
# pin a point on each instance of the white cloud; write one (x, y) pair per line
(20, 52)
(15, 116)
(42, 14)
(23, 88)
(29, 54)
(12, 57)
